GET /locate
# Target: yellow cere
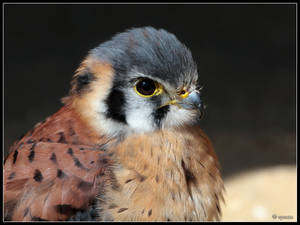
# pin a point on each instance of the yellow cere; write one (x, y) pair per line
(185, 94)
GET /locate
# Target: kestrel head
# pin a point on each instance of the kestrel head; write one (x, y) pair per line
(139, 81)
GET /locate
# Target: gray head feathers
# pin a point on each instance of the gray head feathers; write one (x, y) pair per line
(152, 52)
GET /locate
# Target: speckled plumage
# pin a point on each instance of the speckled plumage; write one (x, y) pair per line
(110, 154)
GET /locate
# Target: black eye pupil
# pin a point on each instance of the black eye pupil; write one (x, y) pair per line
(146, 87)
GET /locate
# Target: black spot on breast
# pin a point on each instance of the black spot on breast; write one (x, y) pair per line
(11, 176)
(78, 163)
(26, 211)
(159, 114)
(115, 105)
(31, 154)
(15, 156)
(218, 208)
(142, 178)
(70, 151)
(150, 212)
(38, 176)
(91, 162)
(216, 197)
(53, 157)
(62, 138)
(85, 186)
(60, 174)
(122, 210)
(129, 180)
(189, 177)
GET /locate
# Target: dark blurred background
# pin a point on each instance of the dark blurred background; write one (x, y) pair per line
(245, 53)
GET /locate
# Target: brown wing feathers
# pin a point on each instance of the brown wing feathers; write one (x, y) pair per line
(54, 170)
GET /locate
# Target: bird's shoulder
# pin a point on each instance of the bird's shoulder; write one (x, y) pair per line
(58, 154)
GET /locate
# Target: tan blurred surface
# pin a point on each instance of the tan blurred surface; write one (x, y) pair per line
(268, 194)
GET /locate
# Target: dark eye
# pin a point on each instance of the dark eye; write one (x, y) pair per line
(146, 87)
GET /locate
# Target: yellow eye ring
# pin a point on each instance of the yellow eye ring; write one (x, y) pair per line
(147, 88)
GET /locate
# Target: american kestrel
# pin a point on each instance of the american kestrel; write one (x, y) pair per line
(125, 146)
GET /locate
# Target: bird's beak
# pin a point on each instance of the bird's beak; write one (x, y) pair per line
(190, 101)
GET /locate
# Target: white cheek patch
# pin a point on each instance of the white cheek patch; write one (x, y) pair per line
(139, 119)
(138, 113)
(100, 106)
(111, 127)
